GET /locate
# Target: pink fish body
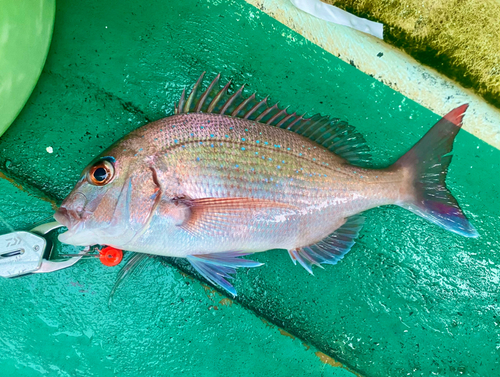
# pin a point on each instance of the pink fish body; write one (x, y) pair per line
(229, 176)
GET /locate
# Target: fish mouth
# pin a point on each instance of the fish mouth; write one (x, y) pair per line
(72, 211)
(64, 217)
(71, 218)
(76, 234)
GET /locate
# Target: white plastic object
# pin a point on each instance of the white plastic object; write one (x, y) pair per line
(341, 17)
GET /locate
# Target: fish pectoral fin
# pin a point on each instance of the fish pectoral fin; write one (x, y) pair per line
(330, 249)
(219, 267)
(207, 214)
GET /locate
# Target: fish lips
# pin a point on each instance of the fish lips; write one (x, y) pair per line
(77, 234)
(66, 218)
(72, 210)
(71, 218)
(72, 214)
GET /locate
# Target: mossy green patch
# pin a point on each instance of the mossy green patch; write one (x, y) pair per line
(458, 38)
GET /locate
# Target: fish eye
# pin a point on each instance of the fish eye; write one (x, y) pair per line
(101, 173)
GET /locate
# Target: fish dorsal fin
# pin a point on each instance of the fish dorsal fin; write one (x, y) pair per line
(333, 134)
(331, 249)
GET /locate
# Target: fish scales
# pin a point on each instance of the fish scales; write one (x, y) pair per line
(213, 156)
(208, 187)
(223, 156)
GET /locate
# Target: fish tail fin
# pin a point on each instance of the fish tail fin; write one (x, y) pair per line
(426, 166)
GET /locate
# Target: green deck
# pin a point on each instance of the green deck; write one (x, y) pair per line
(409, 299)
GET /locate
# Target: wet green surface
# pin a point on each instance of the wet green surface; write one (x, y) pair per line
(410, 299)
(169, 324)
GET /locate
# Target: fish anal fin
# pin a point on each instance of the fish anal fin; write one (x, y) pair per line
(208, 214)
(219, 267)
(330, 249)
(335, 135)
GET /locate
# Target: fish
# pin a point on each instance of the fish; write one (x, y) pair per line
(228, 175)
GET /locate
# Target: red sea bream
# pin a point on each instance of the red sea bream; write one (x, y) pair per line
(228, 176)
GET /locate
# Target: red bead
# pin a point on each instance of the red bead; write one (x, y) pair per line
(110, 256)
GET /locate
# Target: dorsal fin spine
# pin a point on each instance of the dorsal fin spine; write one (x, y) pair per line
(231, 100)
(204, 96)
(334, 135)
(242, 105)
(192, 95)
(273, 118)
(253, 109)
(266, 111)
(285, 119)
(178, 110)
(301, 125)
(300, 118)
(218, 97)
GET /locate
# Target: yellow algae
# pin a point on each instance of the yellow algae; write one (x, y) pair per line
(209, 291)
(270, 325)
(14, 183)
(21, 188)
(328, 360)
(325, 359)
(226, 302)
(459, 39)
(186, 275)
(285, 333)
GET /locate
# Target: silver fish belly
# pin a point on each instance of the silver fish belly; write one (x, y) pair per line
(229, 175)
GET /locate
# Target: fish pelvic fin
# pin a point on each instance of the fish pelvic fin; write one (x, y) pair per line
(219, 267)
(331, 249)
(132, 265)
(426, 166)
